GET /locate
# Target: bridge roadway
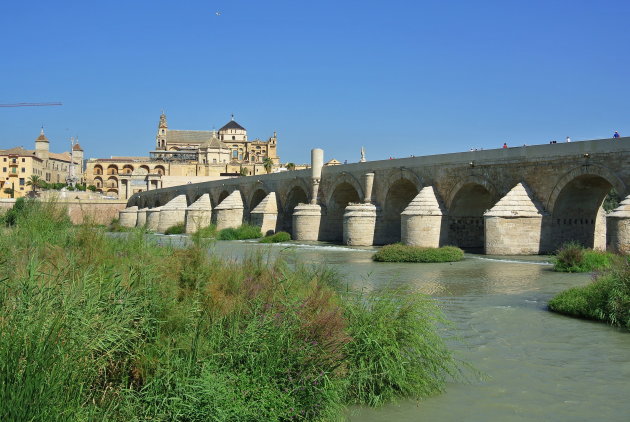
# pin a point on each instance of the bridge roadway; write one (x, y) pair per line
(519, 200)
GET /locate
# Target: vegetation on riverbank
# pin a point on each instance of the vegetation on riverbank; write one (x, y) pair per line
(276, 238)
(575, 258)
(94, 327)
(605, 299)
(405, 253)
(242, 232)
(176, 229)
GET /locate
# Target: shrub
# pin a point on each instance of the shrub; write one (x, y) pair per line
(404, 253)
(11, 216)
(574, 258)
(395, 349)
(176, 229)
(276, 238)
(240, 233)
(606, 299)
(94, 327)
(207, 232)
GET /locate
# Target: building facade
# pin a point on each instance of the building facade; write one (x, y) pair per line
(184, 156)
(18, 165)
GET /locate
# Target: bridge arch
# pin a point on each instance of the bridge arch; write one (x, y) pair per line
(345, 190)
(576, 209)
(467, 202)
(292, 193)
(402, 186)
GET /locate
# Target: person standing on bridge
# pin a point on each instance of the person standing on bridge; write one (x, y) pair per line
(616, 135)
(568, 139)
(504, 144)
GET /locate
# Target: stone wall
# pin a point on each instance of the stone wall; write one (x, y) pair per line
(93, 211)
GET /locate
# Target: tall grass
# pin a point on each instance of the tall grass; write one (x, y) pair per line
(572, 257)
(94, 327)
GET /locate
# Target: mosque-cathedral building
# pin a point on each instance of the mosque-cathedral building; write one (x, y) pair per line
(183, 156)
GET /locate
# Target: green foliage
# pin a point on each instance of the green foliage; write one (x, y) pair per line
(94, 327)
(209, 232)
(91, 188)
(276, 238)
(574, 258)
(395, 349)
(243, 232)
(176, 229)
(611, 201)
(11, 216)
(606, 299)
(404, 253)
(9, 191)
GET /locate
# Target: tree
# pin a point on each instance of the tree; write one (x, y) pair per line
(9, 191)
(290, 166)
(268, 164)
(34, 182)
(244, 171)
(91, 188)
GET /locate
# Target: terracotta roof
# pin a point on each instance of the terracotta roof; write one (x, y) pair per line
(42, 137)
(77, 147)
(232, 125)
(64, 156)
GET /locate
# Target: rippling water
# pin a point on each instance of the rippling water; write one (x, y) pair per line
(539, 366)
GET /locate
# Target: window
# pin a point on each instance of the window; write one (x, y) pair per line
(14, 170)
(14, 160)
(24, 160)
(233, 137)
(235, 154)
(214, 161)
(23, 170)
(21, 181)
(4, 169)
(4, 159)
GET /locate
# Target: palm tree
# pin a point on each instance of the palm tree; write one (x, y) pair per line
(268, 164)
(290, 166)
(34, 182)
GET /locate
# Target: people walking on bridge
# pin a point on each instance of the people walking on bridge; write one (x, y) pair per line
(616, 135)
(504, 144)
(568, 139)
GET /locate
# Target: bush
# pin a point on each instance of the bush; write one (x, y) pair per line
(176, 229)
(209, 232)
(94, 327)
(11, 216)
(574, 258)
(404, 253)
(606, 299)
(241, 233)
(276, 238)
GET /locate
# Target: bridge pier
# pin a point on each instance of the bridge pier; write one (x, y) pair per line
(199, 214)
(423, 222)
(128, 217)
(153, 218)
(141, 220)
(514, 226)
(359, 222)
(173, 213)
(306, 221)
(618, 226)
(265, 215)
(229, 213)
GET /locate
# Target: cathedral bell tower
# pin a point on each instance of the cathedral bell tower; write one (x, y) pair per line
(42, 146)
(160, 139)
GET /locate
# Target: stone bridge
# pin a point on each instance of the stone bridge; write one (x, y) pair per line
(523, 200)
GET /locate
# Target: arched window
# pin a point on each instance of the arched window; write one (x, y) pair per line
(233, 137)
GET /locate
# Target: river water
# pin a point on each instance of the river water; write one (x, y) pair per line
(537, 365)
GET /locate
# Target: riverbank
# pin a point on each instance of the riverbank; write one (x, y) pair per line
(100, 327)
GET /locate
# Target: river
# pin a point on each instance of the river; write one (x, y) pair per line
(537, 365)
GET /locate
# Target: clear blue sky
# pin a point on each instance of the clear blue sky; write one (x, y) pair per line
(398, 77)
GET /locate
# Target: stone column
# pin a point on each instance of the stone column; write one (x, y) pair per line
(317, 162)
(306, 221)
(618, 227)
(128, 217)
(173, 213)
(514, 225)
(265, 215)
(142, 217)
(368, 183)
(359, 221)
(423, 223)
(199, 214)
(153, 218)
(230, 211)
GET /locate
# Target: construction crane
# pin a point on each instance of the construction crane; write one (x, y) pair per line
(30, 104)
